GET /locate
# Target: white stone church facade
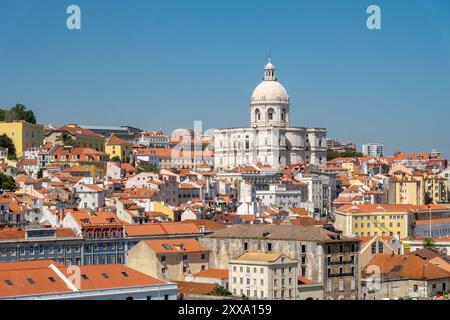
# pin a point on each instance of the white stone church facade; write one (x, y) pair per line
(270, 140)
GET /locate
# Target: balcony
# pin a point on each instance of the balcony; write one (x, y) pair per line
(335, 263)
(336, 275)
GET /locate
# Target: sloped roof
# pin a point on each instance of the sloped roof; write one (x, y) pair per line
(276, 232)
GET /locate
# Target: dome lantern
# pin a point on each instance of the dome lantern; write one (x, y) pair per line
(269, 72)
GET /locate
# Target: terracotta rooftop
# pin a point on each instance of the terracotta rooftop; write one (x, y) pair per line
(213, 273)
(36, 277)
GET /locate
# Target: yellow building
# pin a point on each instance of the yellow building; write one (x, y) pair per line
(367, 220)
(116, 146)
(79, 137)
(86, 158)
(159, 207)
(168, 259)
(418, 189)
(24, 134)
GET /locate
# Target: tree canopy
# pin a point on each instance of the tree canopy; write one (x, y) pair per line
(349, 153)
(115, 159)
(148, 168)
(7, 183)
(6, 142)
(66, 139)
(18, 112)
(220, 291)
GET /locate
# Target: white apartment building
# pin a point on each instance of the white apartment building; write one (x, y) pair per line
(263, 276)
(319, 192)
(153, 139)
(284, 196)
(373, 149)
(90, 196)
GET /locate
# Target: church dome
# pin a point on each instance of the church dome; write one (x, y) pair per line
(270, 90)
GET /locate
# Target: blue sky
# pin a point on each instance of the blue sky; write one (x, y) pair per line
(165, 63)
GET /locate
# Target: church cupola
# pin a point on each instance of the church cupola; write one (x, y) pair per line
(269, 102)
(269, 72)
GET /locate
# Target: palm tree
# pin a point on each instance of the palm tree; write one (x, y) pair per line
(66, 139)
(428, 243)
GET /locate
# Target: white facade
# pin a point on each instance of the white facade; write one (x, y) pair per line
(263, 276)
(90, 197)
(282, 196)
(373, 149)
(270, 140)
(319, 191)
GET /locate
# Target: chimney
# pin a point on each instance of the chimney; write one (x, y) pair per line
(202, 229)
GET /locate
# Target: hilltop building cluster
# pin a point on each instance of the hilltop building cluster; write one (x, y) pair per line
(256, 212)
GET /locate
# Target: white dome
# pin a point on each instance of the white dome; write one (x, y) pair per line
(269, 91)
(269, 66)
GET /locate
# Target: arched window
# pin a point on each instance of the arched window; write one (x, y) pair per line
(270, 114)
(257, 115)
(283, 115)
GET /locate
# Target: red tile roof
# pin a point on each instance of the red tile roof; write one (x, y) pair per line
(36, 277)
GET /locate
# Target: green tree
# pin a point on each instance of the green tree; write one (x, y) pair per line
(18, 112)
(66, 139)
(6, 142)
(220, 291)
(349, 153)
(429, 244)
(7, 183)
(148, 168)
(115, 159)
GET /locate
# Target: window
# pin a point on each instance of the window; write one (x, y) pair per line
(270, 114)
(329, 286)
(269, 247)
(374, 247)
(245, 246)
(341, 284)
(51, 279)
(31, 281)
(416, 288)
